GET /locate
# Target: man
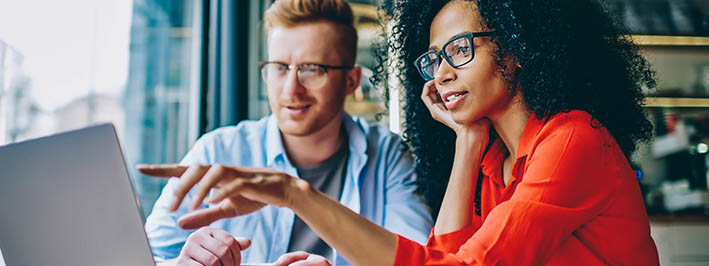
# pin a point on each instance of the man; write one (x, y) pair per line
(309, 72)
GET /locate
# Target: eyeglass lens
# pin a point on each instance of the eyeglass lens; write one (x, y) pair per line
(310, 76)
(457, 52)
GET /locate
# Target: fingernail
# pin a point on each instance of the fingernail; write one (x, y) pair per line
(208, 200)
(213, 200)
(174, 205)
(195, 206)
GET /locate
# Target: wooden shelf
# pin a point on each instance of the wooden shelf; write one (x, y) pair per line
(676, 102)
(678, 218)
(364, 10)
(363, 107)
(662, 40)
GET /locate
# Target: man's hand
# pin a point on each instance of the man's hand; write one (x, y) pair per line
(239, 190)
(301, 258)
(212, 247)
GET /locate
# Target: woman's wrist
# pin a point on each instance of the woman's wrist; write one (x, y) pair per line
(301, 193)
(469, 140)
(469, 147)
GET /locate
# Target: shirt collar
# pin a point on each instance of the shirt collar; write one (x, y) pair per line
(274, 142)
(530, 132)
(492, 160)
(356, 134)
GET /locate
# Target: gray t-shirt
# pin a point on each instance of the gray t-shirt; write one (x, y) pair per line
(329, 178)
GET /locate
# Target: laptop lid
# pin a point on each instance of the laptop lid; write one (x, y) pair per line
(67, 199)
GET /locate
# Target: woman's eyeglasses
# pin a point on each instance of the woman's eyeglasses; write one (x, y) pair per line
(457, 52)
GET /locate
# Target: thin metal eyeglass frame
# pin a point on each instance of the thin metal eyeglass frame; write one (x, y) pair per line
(299, 67)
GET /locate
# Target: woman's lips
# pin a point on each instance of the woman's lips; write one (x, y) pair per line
(454, 98)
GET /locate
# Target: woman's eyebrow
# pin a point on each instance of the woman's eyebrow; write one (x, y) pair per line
(434, 47)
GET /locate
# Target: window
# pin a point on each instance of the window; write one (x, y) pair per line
(70, 64)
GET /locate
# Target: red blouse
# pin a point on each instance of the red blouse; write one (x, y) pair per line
(573, 199)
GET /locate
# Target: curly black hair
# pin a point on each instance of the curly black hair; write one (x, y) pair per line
(574, 56)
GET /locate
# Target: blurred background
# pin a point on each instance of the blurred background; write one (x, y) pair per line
(167, 71)
(163, 71)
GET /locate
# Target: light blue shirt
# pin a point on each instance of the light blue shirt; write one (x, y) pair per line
(380, 184)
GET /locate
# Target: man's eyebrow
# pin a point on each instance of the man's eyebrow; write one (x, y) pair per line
(434, 47)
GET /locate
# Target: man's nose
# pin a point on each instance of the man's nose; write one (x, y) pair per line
(292, 85)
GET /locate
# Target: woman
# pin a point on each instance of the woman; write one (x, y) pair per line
(544, 100)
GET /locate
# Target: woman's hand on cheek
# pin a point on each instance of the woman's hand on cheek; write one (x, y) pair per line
(435, 105)
(440, 113)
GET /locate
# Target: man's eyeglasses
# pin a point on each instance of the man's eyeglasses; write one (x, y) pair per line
(457, 52)
(310, 75)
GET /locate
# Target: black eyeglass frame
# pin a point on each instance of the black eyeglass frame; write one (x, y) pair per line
(441, 53)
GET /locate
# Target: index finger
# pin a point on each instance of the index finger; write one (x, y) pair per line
(289, 258)
(433, 101)
(426, 90)
(430, 95)
(204, 217)
(161, 170)
(312, 260)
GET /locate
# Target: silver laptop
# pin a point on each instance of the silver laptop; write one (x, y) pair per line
(67, 200)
